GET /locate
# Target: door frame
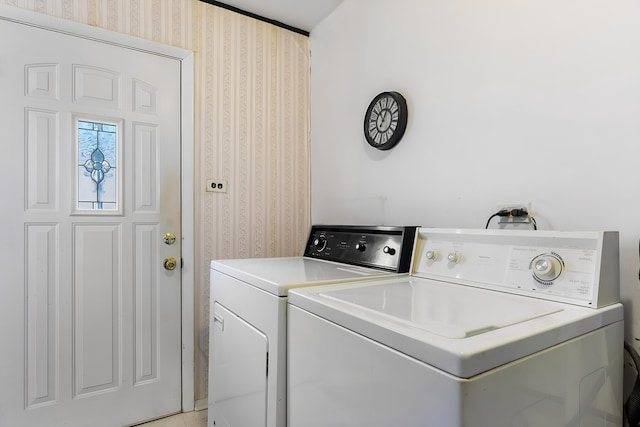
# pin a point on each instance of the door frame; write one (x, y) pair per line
(186, 58)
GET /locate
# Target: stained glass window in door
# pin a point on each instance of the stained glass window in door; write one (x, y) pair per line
(97, 166)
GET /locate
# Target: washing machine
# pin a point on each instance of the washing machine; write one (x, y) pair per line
(492, 328)
(248, 318)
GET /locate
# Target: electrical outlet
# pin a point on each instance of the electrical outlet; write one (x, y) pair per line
(515, 219)
(217, 185)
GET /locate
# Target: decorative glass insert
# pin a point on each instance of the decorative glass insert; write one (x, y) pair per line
(97, 166)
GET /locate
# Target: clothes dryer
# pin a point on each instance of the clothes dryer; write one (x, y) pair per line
(248, 319)
(492, 328)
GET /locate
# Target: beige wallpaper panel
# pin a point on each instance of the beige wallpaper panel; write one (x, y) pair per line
(251, 127)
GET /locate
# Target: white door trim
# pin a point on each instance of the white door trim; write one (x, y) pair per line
(186, 59)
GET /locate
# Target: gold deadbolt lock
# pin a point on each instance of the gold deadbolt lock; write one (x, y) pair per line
(169, 238)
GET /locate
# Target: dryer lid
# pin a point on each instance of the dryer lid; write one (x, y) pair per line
(278, 275)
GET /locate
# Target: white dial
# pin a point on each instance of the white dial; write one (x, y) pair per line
(546, 268)
(454, 257)
(432, 255)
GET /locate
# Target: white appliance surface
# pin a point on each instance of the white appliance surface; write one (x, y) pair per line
(278, 275)
(343, 379)
(512, 328)
(459, 329)
(248, 319)
(248, 332)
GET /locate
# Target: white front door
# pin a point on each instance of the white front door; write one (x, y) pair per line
(90, 171)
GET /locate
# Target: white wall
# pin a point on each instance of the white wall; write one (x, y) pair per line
(510, 101)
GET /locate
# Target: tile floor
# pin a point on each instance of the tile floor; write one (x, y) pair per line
(188, 419)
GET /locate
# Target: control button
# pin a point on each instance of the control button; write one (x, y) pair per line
(453, 257)
(361, 247)
(389, 250)
(543, 267)
(320, 243)
(432, 255)
(546, 268)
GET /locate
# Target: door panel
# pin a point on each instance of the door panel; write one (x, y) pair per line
(90, 319)
(41, 165)
(96, 308)
(239, 369)
(145, 304)
(42, 284)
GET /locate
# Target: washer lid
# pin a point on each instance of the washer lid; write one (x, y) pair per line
(458, 329)
(445, 310)
(278, 275)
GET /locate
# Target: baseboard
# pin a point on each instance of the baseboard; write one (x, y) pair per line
(201, 405)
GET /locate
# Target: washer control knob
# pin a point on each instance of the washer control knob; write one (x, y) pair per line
(361, 247)
(320, 243)
(453, 257)
(432, 255)
(389, 250)
(546, 268)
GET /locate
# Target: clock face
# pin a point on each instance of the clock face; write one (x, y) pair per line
(385, 120)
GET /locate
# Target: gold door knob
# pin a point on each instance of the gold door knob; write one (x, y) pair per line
(169, 238)
(170, 263)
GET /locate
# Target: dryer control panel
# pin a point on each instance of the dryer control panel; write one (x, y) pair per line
(574, 267)
(387, 248)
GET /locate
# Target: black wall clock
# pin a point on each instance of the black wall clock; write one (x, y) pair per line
(385, 120)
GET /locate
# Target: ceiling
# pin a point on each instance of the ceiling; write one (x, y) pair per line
(303, 15)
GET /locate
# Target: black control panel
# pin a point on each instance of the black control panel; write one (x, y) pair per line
(383, 247)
